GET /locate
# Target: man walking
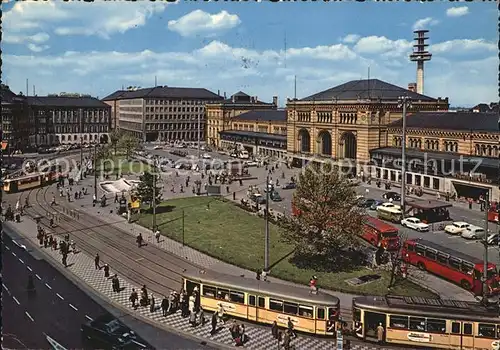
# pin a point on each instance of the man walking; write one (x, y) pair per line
(96, 262)
(157, 235)
(164, 306)
(133, 298)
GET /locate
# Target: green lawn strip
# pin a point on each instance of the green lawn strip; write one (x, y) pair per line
(229, 233)
(119, 164)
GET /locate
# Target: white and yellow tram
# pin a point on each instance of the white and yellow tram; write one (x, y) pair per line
(266, 302)
(429, 323)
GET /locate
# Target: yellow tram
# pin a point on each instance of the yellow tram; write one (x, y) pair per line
(266, 302)
(50, 175)
(429, 323)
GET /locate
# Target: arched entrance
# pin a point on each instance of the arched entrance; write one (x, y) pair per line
(103, 139)
(349, 145)
(325, 143)
(304, 141)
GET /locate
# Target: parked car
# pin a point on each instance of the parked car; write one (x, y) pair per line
(206, 156)
(415, 224)
(157, 147)
(251, 163)
(289, 186)
(492, 239)
(258, 198)
(473, 232)
(366, 202)
(392, 195)
(275, 196)
(376, 204)
(456, 228)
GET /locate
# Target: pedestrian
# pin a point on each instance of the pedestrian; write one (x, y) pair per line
(139, 240)
(275, 330)
(192, 318)
(242, 334)
(133, 298)
(152, 307)
(46, 241)
(116, 198)
(214, 323)
(201, 317)
(221, 313)
(64, 257)
(380, 333)
(115, 283)
(96, 262)
(73, 246)
(157, 235)
(258, 274)
(164, 305)
(227, 189)
(264, 275)
(106, 270)
(286, 340)
(290, 328)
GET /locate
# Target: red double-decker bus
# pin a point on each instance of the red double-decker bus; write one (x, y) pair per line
(377, 232)
(493, 214)
(449, 264)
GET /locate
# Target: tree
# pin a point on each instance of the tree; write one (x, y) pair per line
(145, 188)
(128, 143)
(329, 220)
(114, 138)
(102, 154)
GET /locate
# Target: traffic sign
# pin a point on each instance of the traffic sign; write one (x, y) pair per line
(340, 340)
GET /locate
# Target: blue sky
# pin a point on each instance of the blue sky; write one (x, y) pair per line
(98, 47)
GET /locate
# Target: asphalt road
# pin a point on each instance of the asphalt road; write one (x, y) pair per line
(58, 308)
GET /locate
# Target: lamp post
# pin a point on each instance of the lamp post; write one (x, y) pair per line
(266, 247)
(154, 195)
(485, 243)
(95, 171)
(405, 103)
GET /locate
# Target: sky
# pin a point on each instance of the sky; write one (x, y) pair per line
(257, 47)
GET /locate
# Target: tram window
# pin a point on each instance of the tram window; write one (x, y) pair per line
(486, 330)
(417, 324)
(222, 294)
(320, 313)
(251, 300)
(467, 268)
(442, 258)
(275, 305)
(400, 322)
(420, 249)
(209, 291)
(356, 314)
(237, 297)
(454, 263)
(290, 308)
(436, 326)
(410, 247)
(305, 311)
(431, 254)
(468, 328)
(455, 328)
(262, 302)
(332, 313)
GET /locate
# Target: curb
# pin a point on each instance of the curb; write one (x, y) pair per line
(99, 299)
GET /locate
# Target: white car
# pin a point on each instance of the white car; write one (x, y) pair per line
(157, 147)
(456, 228)
(473, 232)
(206, 156)
(251, 164)
(415, 224)
(389, 205)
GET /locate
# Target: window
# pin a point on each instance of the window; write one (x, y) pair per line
(454, 263)
(237, 297)
(420, 249)
(486, 330)
(251, 300)
(320, 313)
(431, 254)
(468, 328)
(305, 311)
(436, 326)
(400, 322)
(223, 294)
(417, 324)
(209, 291)
(262, 302)
(410, 248)
(291, 308)
(442, 258)
(455, 328)
(275, 305)
(467, 268)
(332, 313)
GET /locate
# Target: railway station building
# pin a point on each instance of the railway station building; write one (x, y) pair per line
(220, 115)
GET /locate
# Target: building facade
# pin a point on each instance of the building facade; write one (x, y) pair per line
(70, 119)
(454, 152)
(260, 132)
(221, 113)
(162, 113)
(17, 124)
(349, 120)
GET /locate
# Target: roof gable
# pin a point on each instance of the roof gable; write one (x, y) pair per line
(164, 92)
(366, 89)
(263, 115)
(65, 101)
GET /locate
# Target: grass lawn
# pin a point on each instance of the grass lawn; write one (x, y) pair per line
(225, 231)
(119, 164)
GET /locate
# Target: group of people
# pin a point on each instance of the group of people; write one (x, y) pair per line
(64, 246)
(284, 338)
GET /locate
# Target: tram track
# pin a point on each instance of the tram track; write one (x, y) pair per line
(149, 265)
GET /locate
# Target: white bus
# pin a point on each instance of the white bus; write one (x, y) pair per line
(243, 155)
(389, 211)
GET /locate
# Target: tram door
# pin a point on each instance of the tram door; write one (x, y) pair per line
(371, 322)
(252, 308)
(190, 286)
(461, 336)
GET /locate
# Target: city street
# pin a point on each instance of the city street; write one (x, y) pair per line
(58, 307)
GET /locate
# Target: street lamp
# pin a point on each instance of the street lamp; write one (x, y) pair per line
(405, 103)
(266, 248)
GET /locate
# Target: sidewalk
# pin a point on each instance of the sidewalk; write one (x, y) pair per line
(439, 286)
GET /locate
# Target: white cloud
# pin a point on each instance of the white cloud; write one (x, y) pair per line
(258, 72)
(381, 44)
(21, 38)
(463, 45)
(37, 48)
(99, 18)
(350, 38)
(457, 11)
(201, 23)
(425, 23)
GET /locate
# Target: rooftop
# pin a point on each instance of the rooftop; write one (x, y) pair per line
(271, 115)
(253, 134)
(7, 95)
(366, 89)
(164, 92)
(242, 98)
(66, 101)
(462, 120)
